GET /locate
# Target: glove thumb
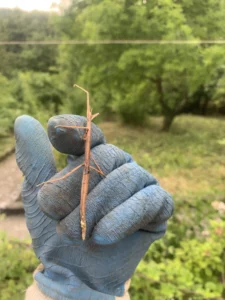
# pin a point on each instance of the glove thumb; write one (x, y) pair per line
(35, 159)
(34, 155)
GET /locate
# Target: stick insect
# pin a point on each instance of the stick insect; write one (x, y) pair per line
(87, 167)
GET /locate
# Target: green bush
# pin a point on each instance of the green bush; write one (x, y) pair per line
(194, 270)
(38, 94)
(17, 263)
(8, 107)
(33, 93)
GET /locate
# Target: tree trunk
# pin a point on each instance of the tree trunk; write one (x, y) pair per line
(204, 106)
(167, 122)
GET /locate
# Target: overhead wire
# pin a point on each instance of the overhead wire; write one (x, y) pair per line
(122, 42)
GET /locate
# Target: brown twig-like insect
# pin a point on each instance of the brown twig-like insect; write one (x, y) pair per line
(86, 164)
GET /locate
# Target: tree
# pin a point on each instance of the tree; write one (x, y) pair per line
(137, 80)
(39, 92)
(13, 27)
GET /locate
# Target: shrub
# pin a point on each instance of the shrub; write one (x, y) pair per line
(17, 263)
(194, 270)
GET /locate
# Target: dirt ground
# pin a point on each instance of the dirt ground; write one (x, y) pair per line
(10, 187)
(15, 226)
(10, 180)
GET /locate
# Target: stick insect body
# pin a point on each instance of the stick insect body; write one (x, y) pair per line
(87, 167)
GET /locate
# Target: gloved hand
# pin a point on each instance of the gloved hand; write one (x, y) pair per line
(127, 210)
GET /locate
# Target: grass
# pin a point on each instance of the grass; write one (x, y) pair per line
(189, 163)
(189, 159)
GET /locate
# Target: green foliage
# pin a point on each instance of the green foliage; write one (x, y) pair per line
(133, 108)
(194, 270)
(39, 91)
(28, 80)
(38, 94)
(13, 27)
(131, 81)
(9, 107)
(135, 81)
(16, 264)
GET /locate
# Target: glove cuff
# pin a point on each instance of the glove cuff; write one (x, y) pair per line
(44, 288)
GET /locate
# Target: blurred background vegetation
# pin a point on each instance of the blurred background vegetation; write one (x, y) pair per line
(163, 103)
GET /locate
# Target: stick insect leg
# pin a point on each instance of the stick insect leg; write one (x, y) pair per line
(63, 177)
(94, 116)
(98, 167)
(100, 172)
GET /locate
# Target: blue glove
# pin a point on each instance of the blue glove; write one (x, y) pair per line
(126, 212)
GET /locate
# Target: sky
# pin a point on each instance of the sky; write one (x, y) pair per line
(28, 4)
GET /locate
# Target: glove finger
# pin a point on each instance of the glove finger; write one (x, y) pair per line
(58, 199)
(40, 226)
(35, 159)
(34, 155)
(70, 140)
(117, 187)
(150, 206)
